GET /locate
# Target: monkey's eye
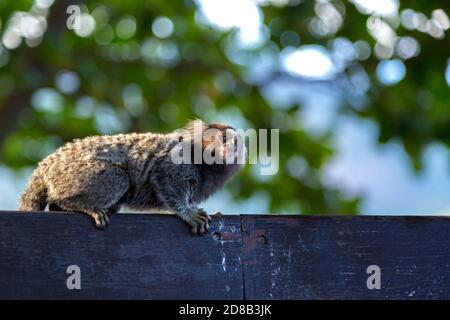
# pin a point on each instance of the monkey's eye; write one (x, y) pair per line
(224, 138)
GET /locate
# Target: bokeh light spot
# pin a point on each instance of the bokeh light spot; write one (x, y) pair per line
(11, 39)
(47, 99)
(390, 72)
(101, 15)
(67, 82)
(87, 26)
(407, 47)
(162, 27)
(126, 27)
(311, 61)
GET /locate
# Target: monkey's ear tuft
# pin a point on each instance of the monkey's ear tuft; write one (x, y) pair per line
(193, 123)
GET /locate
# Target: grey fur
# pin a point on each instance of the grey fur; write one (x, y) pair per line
(100, 174)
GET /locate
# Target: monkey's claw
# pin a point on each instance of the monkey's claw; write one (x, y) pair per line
(100, 217)
(200, 222)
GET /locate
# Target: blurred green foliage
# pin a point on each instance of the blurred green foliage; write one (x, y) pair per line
(201, 79)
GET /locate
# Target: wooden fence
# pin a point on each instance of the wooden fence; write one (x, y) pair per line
(62, 256)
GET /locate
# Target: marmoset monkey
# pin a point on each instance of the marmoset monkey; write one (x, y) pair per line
(100, 174)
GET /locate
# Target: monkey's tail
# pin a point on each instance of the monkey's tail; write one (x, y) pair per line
(35, 196)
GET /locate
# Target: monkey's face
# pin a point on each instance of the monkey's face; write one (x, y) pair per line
(216, 142)
(223, 144)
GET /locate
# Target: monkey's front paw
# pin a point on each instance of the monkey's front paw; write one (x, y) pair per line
(199, 222)
(100, 217)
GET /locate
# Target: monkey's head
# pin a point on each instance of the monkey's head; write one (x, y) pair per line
(218, 143)
(215, 145)
(215, 149)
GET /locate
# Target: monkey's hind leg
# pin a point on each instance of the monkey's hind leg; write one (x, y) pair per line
(101, 217)
(95, 189)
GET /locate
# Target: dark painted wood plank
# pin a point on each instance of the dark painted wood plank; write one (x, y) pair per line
(137, 257)
(310, 257)
(285, 257)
